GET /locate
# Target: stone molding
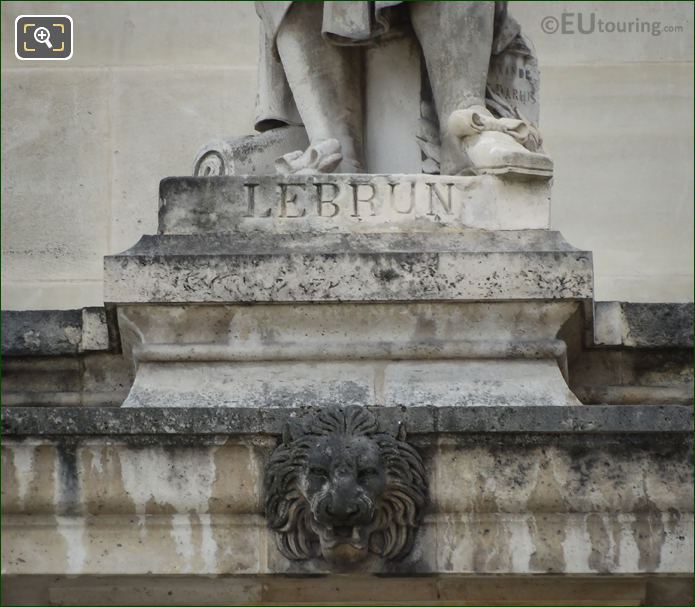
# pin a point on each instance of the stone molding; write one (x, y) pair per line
(643, 325)
(587, 420)
(227, 268)
(55, 332)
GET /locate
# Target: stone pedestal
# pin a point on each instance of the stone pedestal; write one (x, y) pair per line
(436, 291)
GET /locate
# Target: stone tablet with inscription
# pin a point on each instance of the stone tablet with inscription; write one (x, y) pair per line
(353, 203)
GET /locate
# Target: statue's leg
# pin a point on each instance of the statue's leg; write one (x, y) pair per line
(326, 82)
(456, 41)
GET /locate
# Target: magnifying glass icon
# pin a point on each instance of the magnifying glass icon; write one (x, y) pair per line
(43, 36)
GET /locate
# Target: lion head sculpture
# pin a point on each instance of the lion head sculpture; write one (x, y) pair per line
(340, 488)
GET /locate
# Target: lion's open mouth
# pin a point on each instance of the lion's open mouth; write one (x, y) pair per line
(343, 534)
(343, 531)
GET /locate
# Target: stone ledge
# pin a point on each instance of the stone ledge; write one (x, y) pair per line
(443, 589)
(250, 243)
(225, 268)
(54, 332)
(643, 325)
(65, 332)
(584, 420)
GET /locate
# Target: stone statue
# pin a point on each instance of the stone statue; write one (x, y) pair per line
(311, 73)
(340, 488)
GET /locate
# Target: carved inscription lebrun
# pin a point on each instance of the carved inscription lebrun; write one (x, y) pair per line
(340, 488)
(350, 199)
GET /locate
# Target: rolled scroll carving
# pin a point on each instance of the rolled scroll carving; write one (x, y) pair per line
(339, 488)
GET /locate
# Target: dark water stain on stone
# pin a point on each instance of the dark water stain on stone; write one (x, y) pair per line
(601, 557)
(387, 275)
(548, 534)
(68, 481)
(650, 534)
(488, 554)
(425, 328)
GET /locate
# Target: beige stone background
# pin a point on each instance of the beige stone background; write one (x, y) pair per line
(85, 142)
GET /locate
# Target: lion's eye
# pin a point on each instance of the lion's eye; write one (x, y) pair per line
(367, 473)
(316, 471)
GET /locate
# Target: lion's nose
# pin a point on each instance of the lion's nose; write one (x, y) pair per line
(341, 509)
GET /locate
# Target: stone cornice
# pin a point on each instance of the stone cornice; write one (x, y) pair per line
(540, 420)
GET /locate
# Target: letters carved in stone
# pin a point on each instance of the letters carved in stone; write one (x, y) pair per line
(340, 488)
(328, 198)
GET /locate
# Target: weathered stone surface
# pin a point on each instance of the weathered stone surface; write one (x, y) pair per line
(61, 357)
(49, 332)
(38, 380)
(249, 155)
(633, 537)
(346, 331)
(95, 378)
(290, 355)
(351, 203)
(658, 325)
(608, 323)
(332, 383)
(512, 492)
(475, 265)
(641, 353)
(41, 332)
(100, 421)
(633, 376)
(550, 590)
(644, 325)
(95, 333)
(53, 332)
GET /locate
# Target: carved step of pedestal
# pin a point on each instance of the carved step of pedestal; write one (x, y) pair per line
(395, 354)
(473, 265)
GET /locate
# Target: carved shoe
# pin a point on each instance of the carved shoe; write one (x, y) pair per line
(321, 157)
(490, 145)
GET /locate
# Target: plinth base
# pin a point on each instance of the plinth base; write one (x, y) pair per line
(418, 307)
(392, 354)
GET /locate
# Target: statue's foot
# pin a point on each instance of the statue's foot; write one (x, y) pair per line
(477, 143)
(493, 152)
(321, 157)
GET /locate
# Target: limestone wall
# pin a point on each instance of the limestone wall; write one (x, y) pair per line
(84, 142)
(542, 493)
